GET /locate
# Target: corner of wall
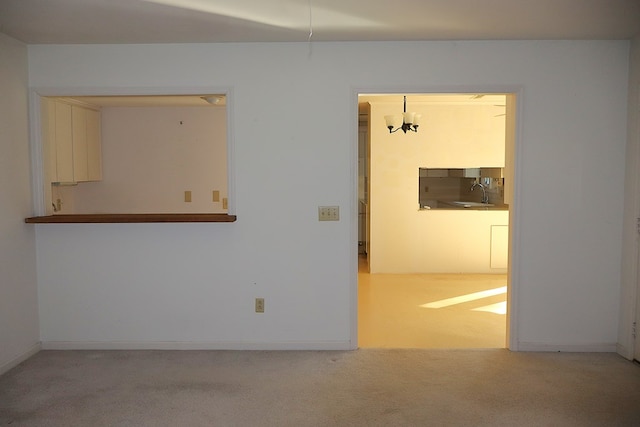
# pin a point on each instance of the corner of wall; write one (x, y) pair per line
(7, 366)
(19, 334)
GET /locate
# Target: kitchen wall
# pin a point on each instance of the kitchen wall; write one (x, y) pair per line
(150, 156)
(294, 123)
(19, 336)
(406, 239)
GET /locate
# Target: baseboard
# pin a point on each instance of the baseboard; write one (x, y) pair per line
(568, 348)
(195, 345)
(624, 351)
(6, 367)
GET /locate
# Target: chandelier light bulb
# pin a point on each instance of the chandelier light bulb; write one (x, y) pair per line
(410, 120)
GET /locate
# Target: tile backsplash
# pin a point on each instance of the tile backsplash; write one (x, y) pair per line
(434, 189)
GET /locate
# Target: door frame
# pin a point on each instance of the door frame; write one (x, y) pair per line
(513, 270)
(633, 143)
(628, 345)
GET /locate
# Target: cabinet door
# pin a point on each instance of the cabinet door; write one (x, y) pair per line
(79, 126)
(64, 143)
(72, 142)
(48, 121)
(94, 150)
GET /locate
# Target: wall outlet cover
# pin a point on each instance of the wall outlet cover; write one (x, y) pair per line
(259, 305)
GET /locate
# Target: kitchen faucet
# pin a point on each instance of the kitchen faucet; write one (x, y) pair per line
(485, 198)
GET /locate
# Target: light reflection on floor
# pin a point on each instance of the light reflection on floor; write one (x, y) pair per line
(497, 308)
(465, 298)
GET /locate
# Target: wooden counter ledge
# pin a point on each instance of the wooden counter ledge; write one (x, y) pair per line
(122, 218)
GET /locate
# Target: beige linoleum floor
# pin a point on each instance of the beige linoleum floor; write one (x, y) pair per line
(391, 312)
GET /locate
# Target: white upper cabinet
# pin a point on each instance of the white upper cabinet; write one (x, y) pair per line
(79, 128)
(63, 143)
(94, 146)
(71, 142)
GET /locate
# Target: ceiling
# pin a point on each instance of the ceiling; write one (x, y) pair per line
(209, 21)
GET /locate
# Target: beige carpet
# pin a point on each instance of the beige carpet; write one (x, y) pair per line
(358, 388)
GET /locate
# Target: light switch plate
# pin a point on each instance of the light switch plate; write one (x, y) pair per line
(328, 213)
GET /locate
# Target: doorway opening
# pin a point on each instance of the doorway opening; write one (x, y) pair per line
(433, 260)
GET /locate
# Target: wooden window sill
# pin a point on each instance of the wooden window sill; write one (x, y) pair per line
(130, 218)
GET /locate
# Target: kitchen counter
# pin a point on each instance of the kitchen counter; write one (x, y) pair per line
(125, 218)
(463, 205)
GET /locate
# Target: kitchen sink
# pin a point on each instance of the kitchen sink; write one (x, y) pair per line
(471, 204)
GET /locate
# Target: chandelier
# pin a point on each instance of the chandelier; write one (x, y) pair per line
(410, 121)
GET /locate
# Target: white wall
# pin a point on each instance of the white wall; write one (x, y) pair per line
(18, 289)
(404, 239)
(630, 297)
(151, 156)
(294, 120)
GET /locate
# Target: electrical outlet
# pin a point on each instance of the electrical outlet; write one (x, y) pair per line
(225, 203)
(216, 196)
(328, 213)
(187, 196)
(259, 305)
